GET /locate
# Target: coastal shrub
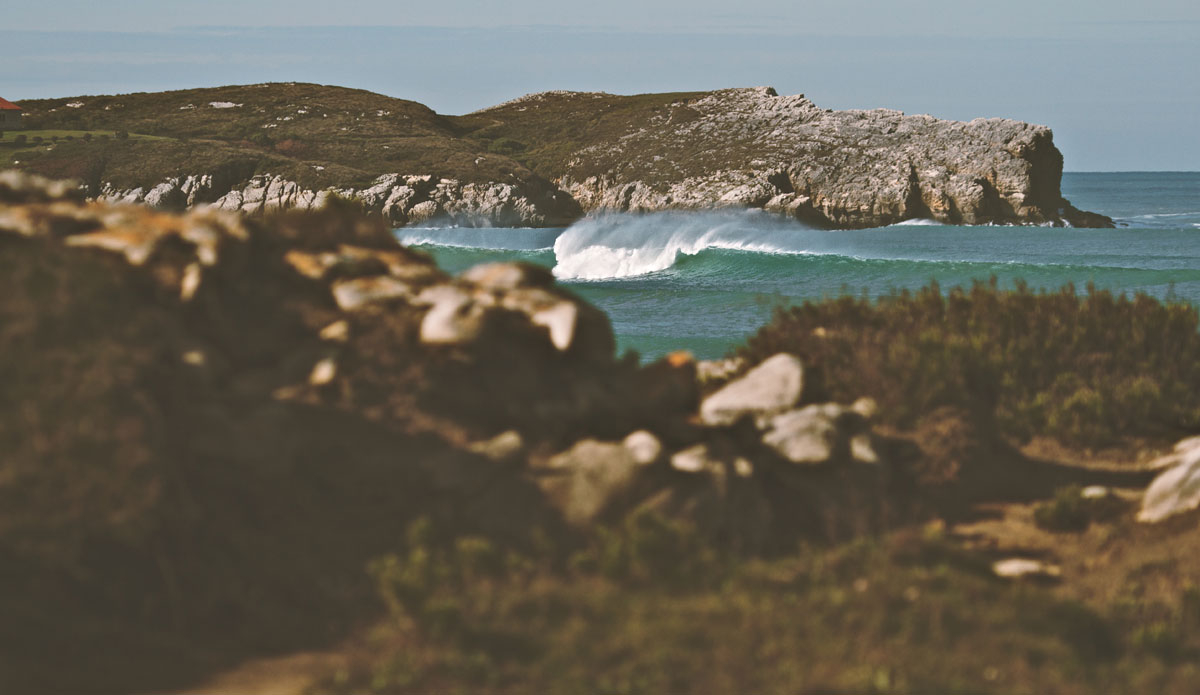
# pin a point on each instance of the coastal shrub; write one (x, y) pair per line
(1071, 510)
(506, 146)
(907, 613)
(1090, 369)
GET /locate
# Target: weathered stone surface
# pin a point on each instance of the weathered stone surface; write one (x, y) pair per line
(454, 317)
(1184, 449)
(582, 481)
(708, 371)
(807, 435)
(1019, 567)
(399, 199)
(505, 446)
(1177, 489)
(508, 276)
(754, 148)
(643, 446)
(771, 387)
(17, 187)
(358, 292)
(695, 459)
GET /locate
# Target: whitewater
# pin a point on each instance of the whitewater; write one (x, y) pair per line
(706, 281)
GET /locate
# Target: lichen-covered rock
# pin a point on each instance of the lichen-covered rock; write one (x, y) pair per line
(771, 387)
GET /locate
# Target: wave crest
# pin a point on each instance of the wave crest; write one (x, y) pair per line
(627, 245)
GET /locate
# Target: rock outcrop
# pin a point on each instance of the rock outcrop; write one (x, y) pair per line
(756, 470)
(1177, 489)
(754, 148)
(400, 200)
(546, 159)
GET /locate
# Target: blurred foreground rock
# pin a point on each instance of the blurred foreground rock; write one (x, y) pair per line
(210, 420)
(1177, 489)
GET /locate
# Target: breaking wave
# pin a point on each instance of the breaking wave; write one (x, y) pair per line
(513, 239)
(624, 245)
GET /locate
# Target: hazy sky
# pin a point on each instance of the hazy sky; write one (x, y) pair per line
(1119, 83)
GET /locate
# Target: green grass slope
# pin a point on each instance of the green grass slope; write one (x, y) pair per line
(317, 135)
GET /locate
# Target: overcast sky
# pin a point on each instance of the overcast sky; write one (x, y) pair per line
(1118, 83)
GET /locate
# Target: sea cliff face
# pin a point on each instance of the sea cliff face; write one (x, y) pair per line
(547, 159)
(400, 200)
(754, 148)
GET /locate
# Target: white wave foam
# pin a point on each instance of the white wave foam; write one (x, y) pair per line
(621, 246)
(507, 239)
(917, 222)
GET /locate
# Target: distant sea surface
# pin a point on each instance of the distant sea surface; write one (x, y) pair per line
(706, 281)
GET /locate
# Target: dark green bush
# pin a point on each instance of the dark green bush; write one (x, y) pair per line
(1092, 369)
(506, 146)
(1070, 510)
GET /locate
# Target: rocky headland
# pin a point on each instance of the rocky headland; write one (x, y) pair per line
(546, 159)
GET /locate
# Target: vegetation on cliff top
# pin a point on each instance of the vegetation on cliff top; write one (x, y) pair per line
(1093, 370)
(546, 132)
(286, 129)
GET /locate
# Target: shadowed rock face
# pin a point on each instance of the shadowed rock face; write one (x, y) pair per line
(754, 148)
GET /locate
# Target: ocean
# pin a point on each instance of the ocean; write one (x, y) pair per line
(704, 282)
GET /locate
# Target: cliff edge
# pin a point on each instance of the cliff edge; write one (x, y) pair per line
(544, 159)
(754, 148)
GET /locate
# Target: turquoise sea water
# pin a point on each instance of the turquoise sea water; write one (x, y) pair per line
(706, 281)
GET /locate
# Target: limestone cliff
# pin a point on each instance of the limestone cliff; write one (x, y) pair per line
(398, 199)
(754, 148)
(546, 159)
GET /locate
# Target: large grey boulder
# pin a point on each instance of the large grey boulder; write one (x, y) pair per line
(772, 387)
(821, 433)
(587, 478)
(1177, 489)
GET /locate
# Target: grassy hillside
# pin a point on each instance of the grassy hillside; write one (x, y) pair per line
(317, 135)
(545, 133)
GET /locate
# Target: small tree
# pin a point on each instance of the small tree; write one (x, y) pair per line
(122, 135)
(20, 139)
(87, 137)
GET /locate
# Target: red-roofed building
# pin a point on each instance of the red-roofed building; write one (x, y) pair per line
(10, 116)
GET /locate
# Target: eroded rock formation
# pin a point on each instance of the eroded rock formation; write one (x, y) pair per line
(398, 199)
(754, 148)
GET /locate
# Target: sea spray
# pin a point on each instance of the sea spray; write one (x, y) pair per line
(511, 239)
(628, 245)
